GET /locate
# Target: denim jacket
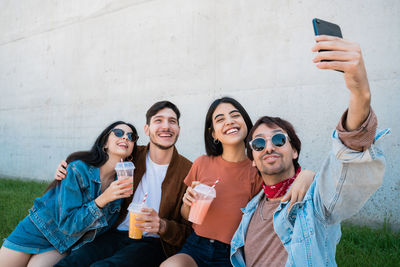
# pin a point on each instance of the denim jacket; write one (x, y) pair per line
(310, 231)
(67, 215)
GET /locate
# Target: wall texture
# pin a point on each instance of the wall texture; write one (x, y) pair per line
(69, 68)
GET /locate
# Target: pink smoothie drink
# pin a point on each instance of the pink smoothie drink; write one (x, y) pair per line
(199, 208)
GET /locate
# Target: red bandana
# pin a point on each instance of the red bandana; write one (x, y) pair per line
(280, 189)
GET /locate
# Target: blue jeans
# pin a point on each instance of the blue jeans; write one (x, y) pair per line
(115, 248)
(206, 252)
(27, 238)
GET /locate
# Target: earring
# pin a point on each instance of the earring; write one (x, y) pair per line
(130, 158)
(216, 141)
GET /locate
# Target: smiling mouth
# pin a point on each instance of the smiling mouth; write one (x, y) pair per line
(232, 131)
(165, 134)
(123, 145)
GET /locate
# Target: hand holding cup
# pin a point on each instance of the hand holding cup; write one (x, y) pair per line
(190, 195)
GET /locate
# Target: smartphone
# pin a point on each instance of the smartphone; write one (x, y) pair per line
(322, 27)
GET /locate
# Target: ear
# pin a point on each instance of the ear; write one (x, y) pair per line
(213, 134)
(254, 163)
(295, 155)
(146, 129)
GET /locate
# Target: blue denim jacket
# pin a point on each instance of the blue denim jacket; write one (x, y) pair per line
(310, 231)
(67, 214)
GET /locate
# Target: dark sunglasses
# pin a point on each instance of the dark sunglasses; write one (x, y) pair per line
(259, 143)
(120, 133)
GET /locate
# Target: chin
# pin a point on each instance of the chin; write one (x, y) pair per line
(273, 171)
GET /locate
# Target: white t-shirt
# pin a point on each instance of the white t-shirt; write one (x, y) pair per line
(150, 183)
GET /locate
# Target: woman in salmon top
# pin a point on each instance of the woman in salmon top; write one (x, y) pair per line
(226, 127)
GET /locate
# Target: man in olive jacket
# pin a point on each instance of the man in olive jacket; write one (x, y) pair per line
(160, 171)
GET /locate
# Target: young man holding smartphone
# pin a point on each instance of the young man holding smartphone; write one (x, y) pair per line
(272, 233)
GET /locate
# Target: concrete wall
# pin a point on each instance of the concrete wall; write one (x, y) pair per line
(69, 68)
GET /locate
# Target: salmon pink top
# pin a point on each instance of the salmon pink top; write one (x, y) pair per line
(238, 183)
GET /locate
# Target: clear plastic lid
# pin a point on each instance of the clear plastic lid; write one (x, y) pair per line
(126, 165)
(206, 190)
(137, 207)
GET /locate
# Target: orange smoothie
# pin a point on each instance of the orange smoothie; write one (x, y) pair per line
(134, 232)
(199, 210)
(128, 180)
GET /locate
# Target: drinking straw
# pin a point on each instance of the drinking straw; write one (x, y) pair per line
(123, 167)
(216, 182)
(144, 199)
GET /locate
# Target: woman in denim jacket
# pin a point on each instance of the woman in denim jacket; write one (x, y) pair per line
(73, 212)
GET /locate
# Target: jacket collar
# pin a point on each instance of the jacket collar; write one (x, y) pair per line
(252, 205)
(94, 174)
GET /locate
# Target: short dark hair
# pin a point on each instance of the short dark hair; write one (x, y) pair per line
(286, 126)
(156, 107)
(213, 149)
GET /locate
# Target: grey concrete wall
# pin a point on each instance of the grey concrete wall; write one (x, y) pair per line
(69, 68)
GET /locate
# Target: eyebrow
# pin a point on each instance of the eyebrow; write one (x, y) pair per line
(273, 131)
(161, 116)
(219, 115)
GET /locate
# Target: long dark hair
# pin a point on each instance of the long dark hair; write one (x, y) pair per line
(213, 149)
(97, 156)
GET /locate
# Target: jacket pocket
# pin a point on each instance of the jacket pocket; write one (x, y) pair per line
(303, 227)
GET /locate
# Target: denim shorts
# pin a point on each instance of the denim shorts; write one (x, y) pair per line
(27, 238)
(207, 252)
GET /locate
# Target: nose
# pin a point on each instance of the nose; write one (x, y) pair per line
(165, 124)
(269, 147)
(229, 120)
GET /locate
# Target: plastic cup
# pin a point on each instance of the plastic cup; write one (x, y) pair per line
(135, 210)
(125, 172)
(205, 196)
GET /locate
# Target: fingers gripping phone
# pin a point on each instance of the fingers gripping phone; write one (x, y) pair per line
(322, 27)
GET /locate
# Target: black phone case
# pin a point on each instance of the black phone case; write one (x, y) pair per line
(322, 27)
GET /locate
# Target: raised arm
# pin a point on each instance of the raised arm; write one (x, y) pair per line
(346, 56)
(354, 171)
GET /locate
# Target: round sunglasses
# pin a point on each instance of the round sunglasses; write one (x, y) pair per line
(120, 133)
(259, 143)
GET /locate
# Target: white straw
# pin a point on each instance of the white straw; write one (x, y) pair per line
(216, 182)
(123, 167)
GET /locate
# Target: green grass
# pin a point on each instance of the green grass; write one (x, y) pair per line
(16, 198)
(359, 246)
(362, 246)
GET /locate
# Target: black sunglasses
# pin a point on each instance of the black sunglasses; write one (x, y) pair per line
(120, 133)
(259, 143)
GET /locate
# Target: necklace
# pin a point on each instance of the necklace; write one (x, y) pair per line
(262, 207)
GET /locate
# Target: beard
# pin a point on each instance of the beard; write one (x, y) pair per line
(163, 147)
(160, 146)
(268, 170)
(276, 171)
